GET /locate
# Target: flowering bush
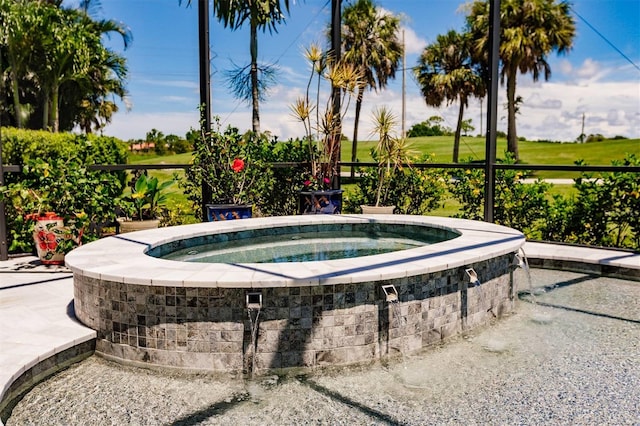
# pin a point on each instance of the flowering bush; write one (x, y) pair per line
(315, 183)
(231, 164)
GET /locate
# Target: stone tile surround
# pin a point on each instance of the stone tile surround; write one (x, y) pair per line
(210, 329)
(313, 313)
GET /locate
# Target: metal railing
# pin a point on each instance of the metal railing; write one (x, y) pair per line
(480, 165)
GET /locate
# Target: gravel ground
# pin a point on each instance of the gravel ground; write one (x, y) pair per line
(570, 358)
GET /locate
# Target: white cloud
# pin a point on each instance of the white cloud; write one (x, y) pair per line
(551, 111)
(132, 125)
(538, 101)
(182, 84)
(412, 42)
(178, 99)
(591, 70)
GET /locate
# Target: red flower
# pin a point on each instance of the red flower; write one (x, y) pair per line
(47, 240)
(326, 181)
(307, 182)
(237, 165)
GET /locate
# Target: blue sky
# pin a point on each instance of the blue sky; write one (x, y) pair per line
(593, 80)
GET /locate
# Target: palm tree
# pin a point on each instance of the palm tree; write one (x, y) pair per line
(370, 43)
(90, 106)
(61, 52)
(529, 31)
(446, 72)
(16, 38)
(106, 76)
(72, 30)
(265, 15)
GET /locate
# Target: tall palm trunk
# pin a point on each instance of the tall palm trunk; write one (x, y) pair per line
(16, 100)
(255, 95)
(512, 137)
(354, 143)
(54, 115)
(46, 102)
(456, 139)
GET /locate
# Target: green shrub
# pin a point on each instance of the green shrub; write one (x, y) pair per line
(411, 190)
(517, 205)
(55, 177)
(604, 212)
(282, 198)
(272, 191)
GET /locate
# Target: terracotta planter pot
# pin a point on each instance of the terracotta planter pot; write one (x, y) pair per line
(377, 209)
(218, 212)
(126, 225)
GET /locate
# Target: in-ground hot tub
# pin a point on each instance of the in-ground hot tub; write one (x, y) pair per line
(267, 316)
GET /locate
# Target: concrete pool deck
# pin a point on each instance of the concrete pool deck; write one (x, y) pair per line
(40, 334)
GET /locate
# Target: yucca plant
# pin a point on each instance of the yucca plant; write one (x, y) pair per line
(323, 123)
(390, 152)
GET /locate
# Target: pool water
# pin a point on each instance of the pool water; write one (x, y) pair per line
(297, 247)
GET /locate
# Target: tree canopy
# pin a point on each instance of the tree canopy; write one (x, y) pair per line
(53, 60)
(446, 72)
(529, 31)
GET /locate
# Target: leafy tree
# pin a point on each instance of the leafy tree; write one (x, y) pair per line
(16, 23)
(447, 73)
(431, 127)
(57, 62)
(529, 31)
(370, 43)
(467, 127)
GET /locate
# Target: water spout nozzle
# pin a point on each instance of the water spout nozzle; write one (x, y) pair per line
(520, 260)
(254, 300)
(391, 293)
(473, 276)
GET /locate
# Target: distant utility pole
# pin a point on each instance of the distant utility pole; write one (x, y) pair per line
(481, 102)
(404, 90)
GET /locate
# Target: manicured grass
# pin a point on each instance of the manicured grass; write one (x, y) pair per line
(472, 148)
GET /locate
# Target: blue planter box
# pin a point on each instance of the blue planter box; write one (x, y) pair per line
(320, 202)
(217, 212)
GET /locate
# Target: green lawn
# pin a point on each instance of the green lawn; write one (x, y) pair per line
(594, 153)
(441, 147)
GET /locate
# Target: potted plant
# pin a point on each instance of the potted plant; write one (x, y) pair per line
(232, 166)
(391, 153)
(321, 191)
(142, 206)
(60, 204)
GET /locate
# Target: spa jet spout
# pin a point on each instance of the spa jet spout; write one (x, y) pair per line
(390, 293)
(254, 300)
(520, 260)
(473, 277)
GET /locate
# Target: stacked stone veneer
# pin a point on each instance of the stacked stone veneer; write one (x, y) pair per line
(210, 328)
